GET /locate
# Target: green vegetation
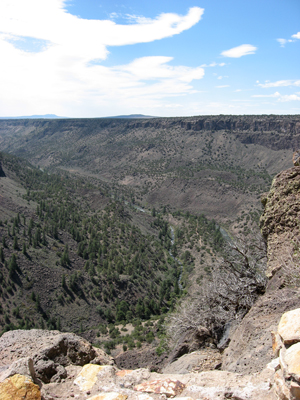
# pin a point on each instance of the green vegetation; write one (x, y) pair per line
(99, 256)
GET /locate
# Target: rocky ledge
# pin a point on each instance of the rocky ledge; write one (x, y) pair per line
(39, 364)
(43, 365)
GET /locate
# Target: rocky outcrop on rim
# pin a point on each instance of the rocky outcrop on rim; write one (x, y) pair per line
(250, 344)
(21, 377)
(279, 223)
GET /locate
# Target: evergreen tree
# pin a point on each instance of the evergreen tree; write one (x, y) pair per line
(1, 254)
(15, 245)
(65, 260)
(12, 265)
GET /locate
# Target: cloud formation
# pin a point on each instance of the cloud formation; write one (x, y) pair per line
(286, 82)
(280, 97)
(239, 51)
(63, 67)
(284, 41)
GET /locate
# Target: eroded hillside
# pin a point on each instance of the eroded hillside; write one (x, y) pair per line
(218, 165)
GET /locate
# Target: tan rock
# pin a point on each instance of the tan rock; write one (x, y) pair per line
(168, 387)
(289, 326)
(144, 396)
(109, 396)
(292, 360)
(281, 389)
(296, 158)
(130, 378)
(276, 343)
(295, 390)
(124, 372)
(87, 377)
(184, 398)
(19, 387)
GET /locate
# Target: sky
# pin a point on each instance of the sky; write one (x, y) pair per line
(90, 58)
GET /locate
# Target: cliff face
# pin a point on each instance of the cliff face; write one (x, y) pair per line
(250, 347)
(280, 221)
(276, 132)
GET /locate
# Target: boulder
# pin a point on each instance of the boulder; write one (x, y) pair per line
(292, 361)
(200, 360)
(51, 351)
(289, 327)
(19, 387)
(22, 366)
(130, 378)
(88, 376)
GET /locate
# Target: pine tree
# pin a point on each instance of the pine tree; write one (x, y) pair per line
(65, 260)
(15, 245)
(12, 265)
(1, 254)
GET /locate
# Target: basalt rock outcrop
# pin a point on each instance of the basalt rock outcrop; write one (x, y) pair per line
(47, 353)
(279, 223)
(250, 346)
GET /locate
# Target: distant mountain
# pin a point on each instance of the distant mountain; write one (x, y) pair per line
(46, 116)
(132, 116)
(53, 116)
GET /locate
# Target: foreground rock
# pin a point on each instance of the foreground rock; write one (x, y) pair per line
(19, 387)
(50, 351)
(286, 344)
(82, 380)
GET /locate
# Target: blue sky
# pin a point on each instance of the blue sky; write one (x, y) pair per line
(89, 58)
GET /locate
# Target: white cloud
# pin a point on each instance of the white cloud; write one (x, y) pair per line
(280, 97)
(296, 36)
(276, 94)
(287, 82)
(146, 68)
(239, 51)
(48, 20)
(61, 76)
(213, 64)
(289, 97)
(282, 42)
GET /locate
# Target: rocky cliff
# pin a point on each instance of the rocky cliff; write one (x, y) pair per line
(284, 130)
(280, 221)
(250, 346)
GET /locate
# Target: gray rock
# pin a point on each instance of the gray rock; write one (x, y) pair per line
(250, 348)
(50, 351)
(22, 366)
